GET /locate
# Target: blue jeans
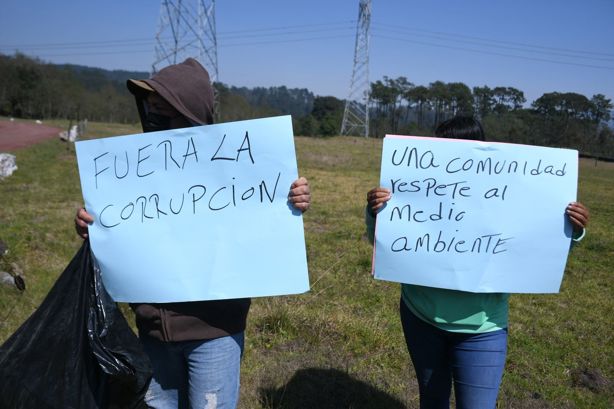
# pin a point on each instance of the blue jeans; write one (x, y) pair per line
(194, 374)
(474, 361)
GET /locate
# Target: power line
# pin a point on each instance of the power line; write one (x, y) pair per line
(281, 33)
(151, 43)
(220, 46)
(336, 29)
(295, 40)
(109, 42)
(495, 53)
(251, 32)
(457, 35)
(77, 47)
(494, 44)
(223, 42)
(94, 53)
(338, 25)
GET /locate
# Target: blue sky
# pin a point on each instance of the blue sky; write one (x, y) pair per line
(535, 46)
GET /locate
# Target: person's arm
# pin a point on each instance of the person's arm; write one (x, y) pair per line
(578, 216)
(300, 195)
(376, 198)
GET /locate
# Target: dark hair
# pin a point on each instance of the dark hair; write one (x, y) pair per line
(460, 127)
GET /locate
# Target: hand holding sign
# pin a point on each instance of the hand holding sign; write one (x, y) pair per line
(300, 195)
(377, 198)
(82, 221)
(578, 215)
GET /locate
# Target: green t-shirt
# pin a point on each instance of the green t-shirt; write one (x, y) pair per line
(457, 311)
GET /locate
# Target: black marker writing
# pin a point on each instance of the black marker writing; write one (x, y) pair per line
(488, 243)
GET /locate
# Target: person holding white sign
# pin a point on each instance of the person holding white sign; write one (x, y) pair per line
(195, 347)
(455, 335)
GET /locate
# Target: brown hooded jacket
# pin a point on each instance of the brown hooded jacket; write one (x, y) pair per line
(186, 87)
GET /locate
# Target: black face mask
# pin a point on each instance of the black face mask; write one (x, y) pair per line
(155, 122)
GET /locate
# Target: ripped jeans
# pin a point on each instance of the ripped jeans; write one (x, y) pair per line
(194, 374)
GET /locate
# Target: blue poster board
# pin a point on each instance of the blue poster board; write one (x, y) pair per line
(197, 213)
(475, 216)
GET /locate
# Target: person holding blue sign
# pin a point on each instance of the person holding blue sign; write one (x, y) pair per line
(455, 335)
(195, 347)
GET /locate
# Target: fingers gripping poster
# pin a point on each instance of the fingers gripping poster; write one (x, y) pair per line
(197, 213)
(474, 216)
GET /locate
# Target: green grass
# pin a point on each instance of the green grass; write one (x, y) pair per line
(341, 345)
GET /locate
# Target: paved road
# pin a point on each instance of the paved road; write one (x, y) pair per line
(15, 135)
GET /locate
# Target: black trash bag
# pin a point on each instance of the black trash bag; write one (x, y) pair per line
(76, 351)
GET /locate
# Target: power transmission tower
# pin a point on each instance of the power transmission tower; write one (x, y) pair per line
(356, 113)
(187, 29)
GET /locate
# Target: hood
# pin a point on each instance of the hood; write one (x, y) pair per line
(186, 86)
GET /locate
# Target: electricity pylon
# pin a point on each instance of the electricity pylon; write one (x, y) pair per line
(187, 29)
(356, 113)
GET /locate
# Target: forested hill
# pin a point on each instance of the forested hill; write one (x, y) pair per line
(96, 78)
(30, 88)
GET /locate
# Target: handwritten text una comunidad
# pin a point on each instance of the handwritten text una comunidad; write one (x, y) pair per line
(149, 161)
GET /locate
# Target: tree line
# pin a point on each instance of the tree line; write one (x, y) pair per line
(30, 88)
(558, 119)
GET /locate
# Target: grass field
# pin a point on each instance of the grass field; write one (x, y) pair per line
(341, 345)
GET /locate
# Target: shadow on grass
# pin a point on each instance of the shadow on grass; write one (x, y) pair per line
(324, 389)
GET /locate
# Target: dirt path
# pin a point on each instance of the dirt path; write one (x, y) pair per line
(15, 135)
